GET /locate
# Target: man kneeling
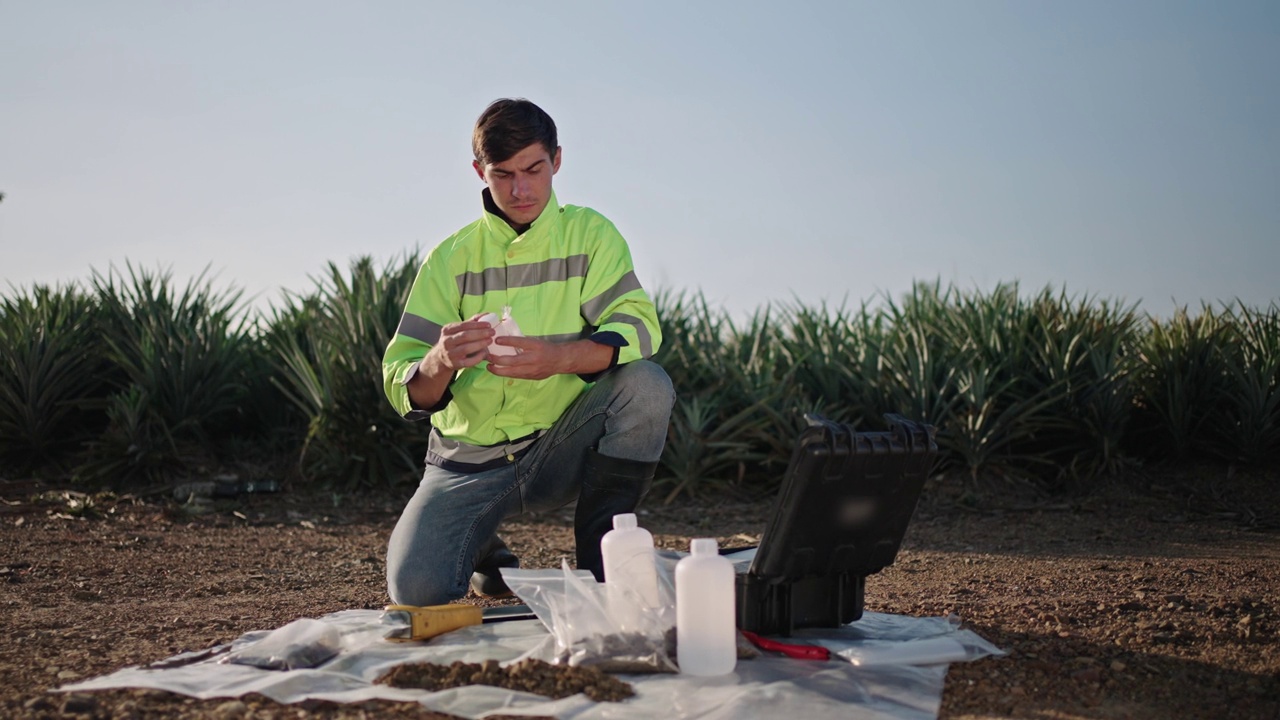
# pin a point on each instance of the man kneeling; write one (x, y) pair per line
(576, 412)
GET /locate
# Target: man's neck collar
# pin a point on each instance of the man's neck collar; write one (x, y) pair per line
(492, 208)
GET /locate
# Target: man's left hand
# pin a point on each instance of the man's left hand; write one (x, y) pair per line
(539, 359)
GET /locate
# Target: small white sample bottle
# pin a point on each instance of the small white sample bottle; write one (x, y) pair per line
(630, 572)
(706, 642)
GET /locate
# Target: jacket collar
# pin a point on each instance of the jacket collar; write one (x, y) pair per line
(497, 221)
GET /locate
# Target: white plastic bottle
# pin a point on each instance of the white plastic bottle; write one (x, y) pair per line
(630, 572)
(705, 611)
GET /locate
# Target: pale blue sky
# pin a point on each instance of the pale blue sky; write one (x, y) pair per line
(757, 151)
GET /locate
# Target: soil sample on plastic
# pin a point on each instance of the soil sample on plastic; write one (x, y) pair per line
(632, 653)
(534, 676)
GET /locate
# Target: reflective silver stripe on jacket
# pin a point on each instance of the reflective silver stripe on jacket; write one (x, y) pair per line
(642, 331)
(529, 275)
(592, 308)
(419, 328)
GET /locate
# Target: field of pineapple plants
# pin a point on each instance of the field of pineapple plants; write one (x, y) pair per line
(130, 381)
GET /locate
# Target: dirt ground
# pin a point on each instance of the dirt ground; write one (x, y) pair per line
(1117, 605)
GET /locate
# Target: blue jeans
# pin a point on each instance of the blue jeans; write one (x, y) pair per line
(433, 547)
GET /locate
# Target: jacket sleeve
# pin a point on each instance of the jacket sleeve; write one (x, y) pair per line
(433, 303)
(614, 302)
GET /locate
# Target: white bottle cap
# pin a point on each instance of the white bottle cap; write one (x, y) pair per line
(704, 546)
(625, 521)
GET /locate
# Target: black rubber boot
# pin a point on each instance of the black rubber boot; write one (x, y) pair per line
(612, 486)
(487, 580)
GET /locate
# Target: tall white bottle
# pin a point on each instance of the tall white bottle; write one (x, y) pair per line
(630, 572)
(705, 611)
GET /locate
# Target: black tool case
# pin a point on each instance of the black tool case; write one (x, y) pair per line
(841, 514)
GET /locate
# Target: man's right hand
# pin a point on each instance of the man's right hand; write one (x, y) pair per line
(462, 344)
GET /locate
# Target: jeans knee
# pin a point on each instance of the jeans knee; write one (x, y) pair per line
(649, 386)
(407, 585)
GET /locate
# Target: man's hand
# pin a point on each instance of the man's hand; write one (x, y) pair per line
(539, 359)
(462, 344)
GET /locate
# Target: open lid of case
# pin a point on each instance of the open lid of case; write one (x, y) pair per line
(845, 501)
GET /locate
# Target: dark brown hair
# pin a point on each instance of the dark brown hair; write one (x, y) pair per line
(508, 126)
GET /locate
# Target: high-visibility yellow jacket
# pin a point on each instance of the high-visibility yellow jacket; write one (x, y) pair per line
(568, 277)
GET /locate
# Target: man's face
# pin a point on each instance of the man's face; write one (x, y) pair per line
(521, 185)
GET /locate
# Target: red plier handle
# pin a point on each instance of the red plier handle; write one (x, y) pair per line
(791, 650)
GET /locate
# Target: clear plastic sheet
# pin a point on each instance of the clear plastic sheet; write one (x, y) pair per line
(878, 639)
(765, 687)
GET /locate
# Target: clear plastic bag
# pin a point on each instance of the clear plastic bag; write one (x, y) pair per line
(586, 621)
(303, 643)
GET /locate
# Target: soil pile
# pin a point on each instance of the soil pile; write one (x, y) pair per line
(534, 676)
